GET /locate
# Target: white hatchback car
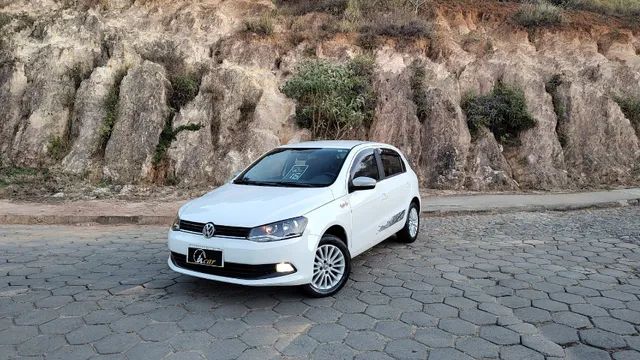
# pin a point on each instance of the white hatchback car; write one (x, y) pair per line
(298, 215)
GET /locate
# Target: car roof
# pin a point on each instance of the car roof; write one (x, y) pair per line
(329, 144)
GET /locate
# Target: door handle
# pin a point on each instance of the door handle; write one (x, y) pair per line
(384, 196)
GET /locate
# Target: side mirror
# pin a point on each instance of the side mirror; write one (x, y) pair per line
(363, 183)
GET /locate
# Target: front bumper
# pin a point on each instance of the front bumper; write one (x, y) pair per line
(248, 262)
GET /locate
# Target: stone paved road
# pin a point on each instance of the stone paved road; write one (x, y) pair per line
(516, 286)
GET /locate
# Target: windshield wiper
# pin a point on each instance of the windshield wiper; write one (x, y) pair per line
(257, 183)
(273, 183)
(247, 182)
(294, 184)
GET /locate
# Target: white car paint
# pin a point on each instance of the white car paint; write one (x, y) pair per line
(362, 214)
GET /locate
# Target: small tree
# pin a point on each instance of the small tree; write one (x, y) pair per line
(417, 4)
(503, 111)
(333, 99)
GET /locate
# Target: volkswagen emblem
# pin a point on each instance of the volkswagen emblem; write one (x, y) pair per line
(208, 230)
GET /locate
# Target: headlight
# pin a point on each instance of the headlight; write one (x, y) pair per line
(176, 224)
(280, 230)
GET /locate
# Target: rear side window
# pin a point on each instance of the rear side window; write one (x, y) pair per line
(365, 165)
(391, 162)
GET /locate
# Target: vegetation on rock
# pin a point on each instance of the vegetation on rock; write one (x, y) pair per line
(609, 7)
(184, 89)
(333, 99)
(58, 147)
(631, 108)
(539, 14)
(21, 175)
(111, 110)
(262, 25)
(503, 111)
(418, 92)
(558, 107)
(395, 19)
(301, 7)
(399, 19)
(167, 136)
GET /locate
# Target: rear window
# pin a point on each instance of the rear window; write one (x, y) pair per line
(391, 162)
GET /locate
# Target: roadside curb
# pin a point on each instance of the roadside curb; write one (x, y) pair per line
(530, 208)
(23, 219)
(10, 219)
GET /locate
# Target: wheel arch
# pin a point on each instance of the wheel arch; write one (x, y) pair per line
(416, 201)
(339, 232)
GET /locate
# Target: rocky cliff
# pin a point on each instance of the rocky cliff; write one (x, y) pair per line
(86, 87)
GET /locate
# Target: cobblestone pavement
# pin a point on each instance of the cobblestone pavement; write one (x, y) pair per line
(514, 286)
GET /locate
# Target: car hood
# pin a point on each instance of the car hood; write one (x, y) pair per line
(250, 206)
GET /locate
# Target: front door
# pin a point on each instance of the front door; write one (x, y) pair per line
(367, 206)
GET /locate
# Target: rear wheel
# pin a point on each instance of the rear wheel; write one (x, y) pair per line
(409, 232)
(331, 267)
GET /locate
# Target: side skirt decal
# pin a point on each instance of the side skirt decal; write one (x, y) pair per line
(394, 219)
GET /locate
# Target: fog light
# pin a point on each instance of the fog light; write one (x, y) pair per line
(284, 267)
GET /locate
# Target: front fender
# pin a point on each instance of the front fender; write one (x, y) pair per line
(337, 212)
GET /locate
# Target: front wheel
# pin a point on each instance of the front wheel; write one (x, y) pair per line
(331, 267)
(409, 232)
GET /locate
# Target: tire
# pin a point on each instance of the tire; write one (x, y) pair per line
(328, 246)
(409, 232)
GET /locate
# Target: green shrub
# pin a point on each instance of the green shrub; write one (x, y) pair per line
(58, 147)
(333, 99)
(301, 7)
(262, 25)
(558, 107)
(367, 41)
(503, 111)
(184, 89)
(77, 75)
(10, 175)
(419, 93)
(111, 110)
(539, 14)
(631, 109)
(5, 19)
(168, 135)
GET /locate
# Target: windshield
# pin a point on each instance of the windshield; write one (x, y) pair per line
(295, 168)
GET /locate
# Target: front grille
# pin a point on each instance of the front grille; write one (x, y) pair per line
(231, 270)
(221, 230)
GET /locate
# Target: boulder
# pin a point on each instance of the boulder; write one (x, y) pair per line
(142, 114)
(88, 119)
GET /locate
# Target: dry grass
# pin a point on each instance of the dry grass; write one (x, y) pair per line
(262, 25)
(539, 14)
(607, 7)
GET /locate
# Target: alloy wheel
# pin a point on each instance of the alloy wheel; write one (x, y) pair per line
(328, 267)
(414, 222)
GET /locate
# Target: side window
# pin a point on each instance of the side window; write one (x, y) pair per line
(391, 163)
(365, 165)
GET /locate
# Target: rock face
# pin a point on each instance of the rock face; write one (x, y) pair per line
(60, 62)
(88, 119)
(142, 114)
(243, 115)
(599, 141)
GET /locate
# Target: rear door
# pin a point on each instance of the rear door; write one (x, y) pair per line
(395, 188)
